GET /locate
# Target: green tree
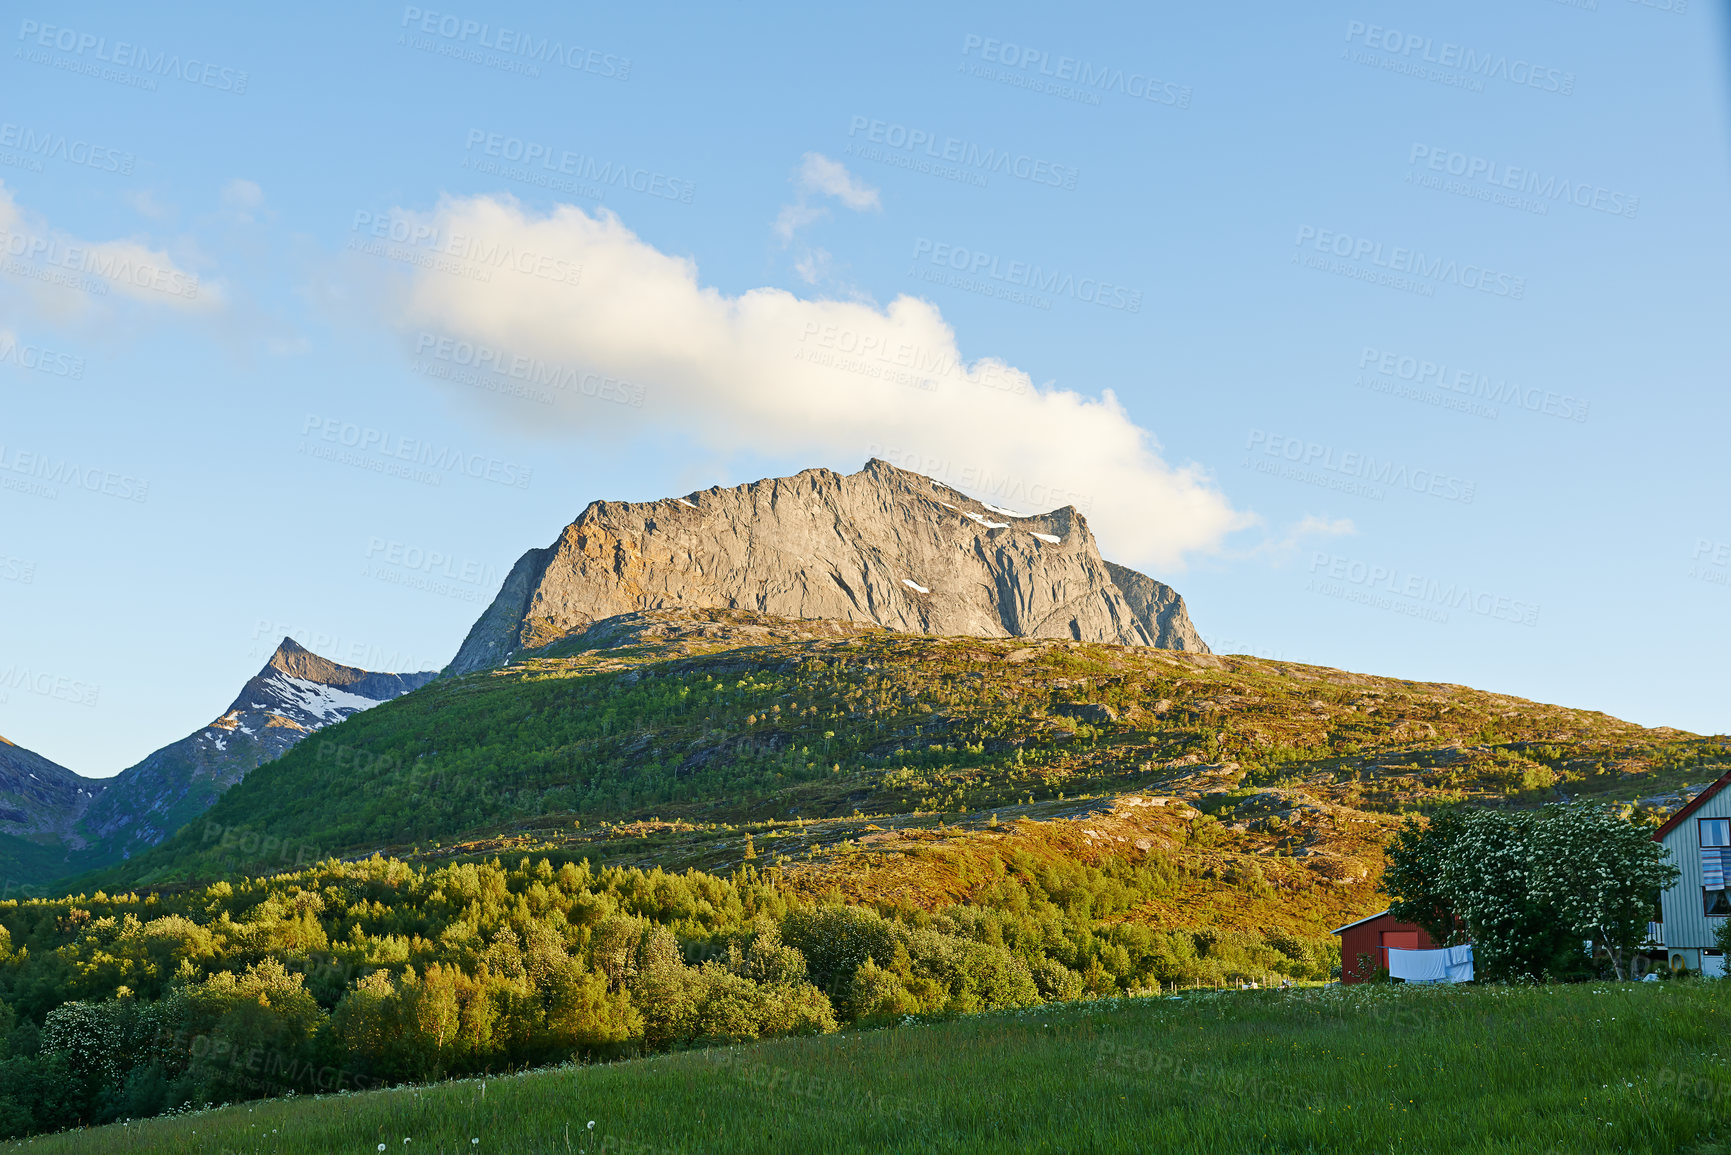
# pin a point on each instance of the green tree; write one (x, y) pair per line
(1488, 876)
(1528, 887)
(247, 1031)
(1413, 877)
(1599, 873)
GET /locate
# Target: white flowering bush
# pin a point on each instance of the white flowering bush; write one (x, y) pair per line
(1528, 887)
(1600, 874)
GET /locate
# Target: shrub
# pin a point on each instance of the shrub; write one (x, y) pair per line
(878, 994)
(1055, 981)
(835, 940)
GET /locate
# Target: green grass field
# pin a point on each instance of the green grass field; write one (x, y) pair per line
(1594, 1067)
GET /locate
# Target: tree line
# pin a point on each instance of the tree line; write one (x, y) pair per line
(361, 974)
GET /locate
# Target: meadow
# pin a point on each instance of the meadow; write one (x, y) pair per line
(1583, 1068)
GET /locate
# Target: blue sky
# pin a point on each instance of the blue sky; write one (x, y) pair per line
(1392, 335)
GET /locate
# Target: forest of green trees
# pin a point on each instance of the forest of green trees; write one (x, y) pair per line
(351, 975)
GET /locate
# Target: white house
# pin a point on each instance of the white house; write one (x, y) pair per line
(1698, 837)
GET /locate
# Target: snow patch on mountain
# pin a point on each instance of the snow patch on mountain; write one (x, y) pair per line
(325, 703)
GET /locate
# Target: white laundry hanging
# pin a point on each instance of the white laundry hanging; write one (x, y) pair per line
(1452, 964)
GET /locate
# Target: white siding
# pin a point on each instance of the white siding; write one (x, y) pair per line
(1685, 924)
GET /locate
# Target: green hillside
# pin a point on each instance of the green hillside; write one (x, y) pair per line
(814, 736)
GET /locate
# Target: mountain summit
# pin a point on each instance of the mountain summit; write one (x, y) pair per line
(882, 546)
(299, 687)
(54, 822)
(296, 693)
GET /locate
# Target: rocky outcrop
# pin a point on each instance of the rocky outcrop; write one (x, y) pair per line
(881, 547)
(1159, 608)
(38, 796)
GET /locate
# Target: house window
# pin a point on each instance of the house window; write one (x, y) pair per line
(1715, 864)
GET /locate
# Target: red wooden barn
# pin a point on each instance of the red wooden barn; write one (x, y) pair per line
(1370, 938)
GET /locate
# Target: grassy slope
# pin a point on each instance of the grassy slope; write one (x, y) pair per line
(872, 765)
(1636, 1067)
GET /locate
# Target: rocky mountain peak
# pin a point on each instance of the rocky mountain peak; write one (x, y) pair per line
(97, 822)
(300, 686)
(883, 546)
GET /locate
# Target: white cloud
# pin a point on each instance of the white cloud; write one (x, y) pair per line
(819, 381)
(67, 275)
(794, 218)
(1297, 535)
(820, 174)
(813, 266)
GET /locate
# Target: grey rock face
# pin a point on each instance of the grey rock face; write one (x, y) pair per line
(38, 796)
(881, 547)
(1159, 608)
